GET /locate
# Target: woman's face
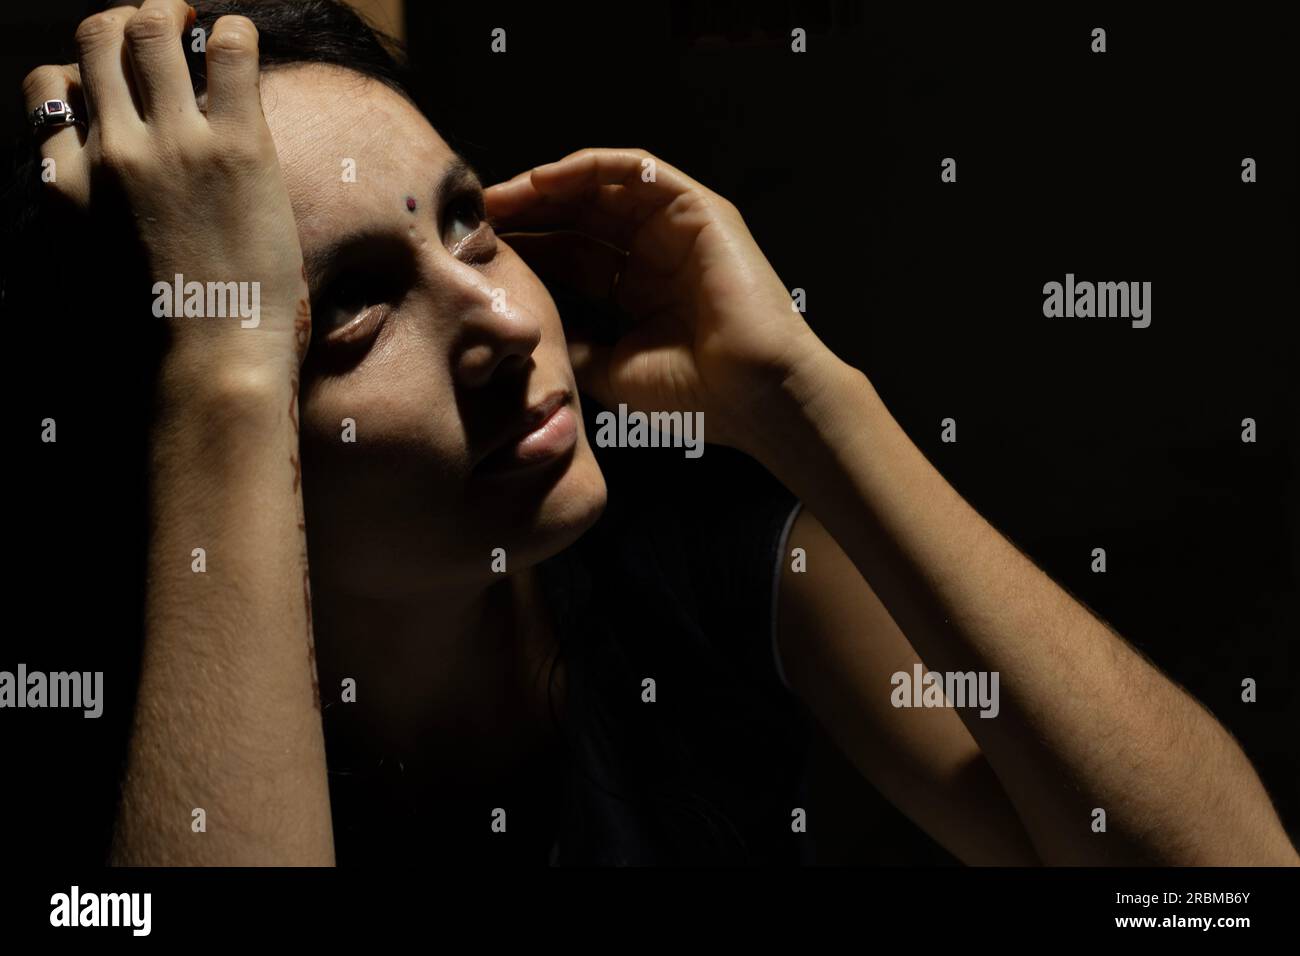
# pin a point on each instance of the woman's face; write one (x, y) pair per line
(434, 347)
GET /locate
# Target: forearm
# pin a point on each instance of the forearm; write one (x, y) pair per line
(227, 718)
(1085, 721)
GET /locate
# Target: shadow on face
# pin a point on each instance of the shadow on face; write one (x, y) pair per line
(440, 416)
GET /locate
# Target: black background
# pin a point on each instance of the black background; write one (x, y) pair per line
(1072, 434)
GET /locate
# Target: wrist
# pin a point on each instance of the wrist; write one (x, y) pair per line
(822, 406)
(222, 388)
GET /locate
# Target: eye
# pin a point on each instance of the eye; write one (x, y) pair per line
(368, 278)
(352, 307)
(462, 218)
(347, 295)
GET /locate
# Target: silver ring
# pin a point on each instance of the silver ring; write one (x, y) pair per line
(54, 113)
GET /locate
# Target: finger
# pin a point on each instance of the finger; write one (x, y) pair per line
(153, 41)
(580, 173)
(50, 82)
(234, 94)
(507, 199)
(583, 264)
(61, 144)
(649, 353)
(623, 196)
(518, 205)
(110, 100)
(651, 183)
(526, 174)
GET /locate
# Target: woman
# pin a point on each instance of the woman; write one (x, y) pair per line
(503, 670)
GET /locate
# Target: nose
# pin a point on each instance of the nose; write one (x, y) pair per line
(497, 337)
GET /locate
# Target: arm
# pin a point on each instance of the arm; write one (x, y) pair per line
(839, 648)
(1085, 720)
(226, 719)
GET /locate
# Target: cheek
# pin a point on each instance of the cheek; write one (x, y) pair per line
(375, 425)
(382, 478)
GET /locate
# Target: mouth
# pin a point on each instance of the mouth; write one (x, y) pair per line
(547, 432)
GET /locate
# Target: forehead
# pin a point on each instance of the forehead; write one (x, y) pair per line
(347, 144)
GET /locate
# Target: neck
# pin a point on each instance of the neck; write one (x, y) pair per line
(442, 677)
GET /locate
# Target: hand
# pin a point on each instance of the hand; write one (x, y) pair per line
(715, 328)
(204, 187)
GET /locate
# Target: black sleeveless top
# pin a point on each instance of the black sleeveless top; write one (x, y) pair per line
(676, 584)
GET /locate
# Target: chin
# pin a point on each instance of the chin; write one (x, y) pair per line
(569, 508)
(538, 522)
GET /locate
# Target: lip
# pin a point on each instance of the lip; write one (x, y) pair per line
(548, 432)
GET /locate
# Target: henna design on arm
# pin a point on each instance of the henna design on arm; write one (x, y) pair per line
(295, 460)
(302, 328)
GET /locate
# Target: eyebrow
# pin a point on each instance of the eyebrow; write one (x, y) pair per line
(459, 176)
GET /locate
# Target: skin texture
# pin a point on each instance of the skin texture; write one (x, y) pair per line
(226, 721)
(433, 383)
(402, 524)
(409, 344)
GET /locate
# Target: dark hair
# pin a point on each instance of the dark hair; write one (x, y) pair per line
(310, 31)
(616, 754)
(299, 32)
